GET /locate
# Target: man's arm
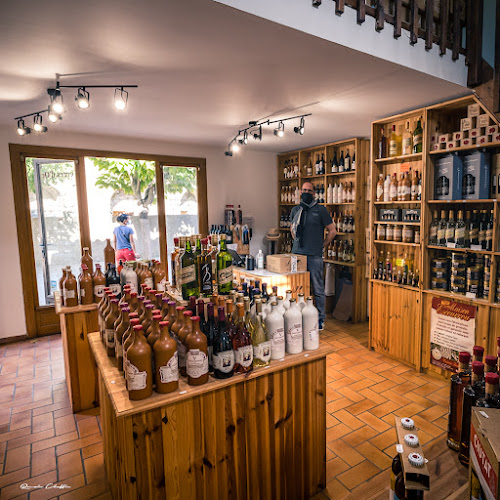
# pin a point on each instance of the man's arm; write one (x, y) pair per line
(114, 237)
(132, 243)
(331, 234)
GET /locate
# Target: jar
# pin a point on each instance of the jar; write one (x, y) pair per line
(417, 236)
(381, 234)
(398, 233)
(389, 235)
(439, 284)
(408, 236)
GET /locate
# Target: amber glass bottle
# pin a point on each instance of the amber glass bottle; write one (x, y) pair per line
(99, 283)
(177, 324)
(119, 333)
(86, 287)
(166, 361)
(197, 356)
(181, 346)
(139, 371)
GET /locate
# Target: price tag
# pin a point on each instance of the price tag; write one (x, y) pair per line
(476, 247)
(451, 245)
(470, 295)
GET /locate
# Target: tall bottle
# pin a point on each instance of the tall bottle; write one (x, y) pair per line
(178, 323)
(459, 381)
(173, 266)
(61, 285)
(310, 325)
(441, 231)
(86, 287)
(87, 260)
(418, 135)
(210, 332)
(394, 143)
(407, 140)
(189, 273)
(139, 370)
(460, 230)
(382, 145)
(184, 331)
(70, 289)
(166, 375)
(109, 327)
(450, 229)
(205, 269)
(242, 344)
(113, 280)
(197, 356)
(224, 268)
(293, 329)
(109, 254)
(261, 344)
(119, 333)
(223, 354)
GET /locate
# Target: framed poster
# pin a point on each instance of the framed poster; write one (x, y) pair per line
(453, 326)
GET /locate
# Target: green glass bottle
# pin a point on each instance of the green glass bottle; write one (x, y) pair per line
(418, 137)
(189, 273)
(224, 268)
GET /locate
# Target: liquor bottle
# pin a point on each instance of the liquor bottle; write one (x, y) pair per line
(335, 164)
(86, 288)
(61, 286)
(210, 333)
(293, 329)
(178, 323)
(87, 260)
(113, 280)
(393, 189)
(242, 345)
(471, 394)
(197, 356)
(380, 188)
(407, 188)
(223, 354)
(261, 344)
(450, 228)
(316, 166)
(188, 273)
(474, 228)
(490, 398)
(70, 289)
(166, 361)
(128, 340)
(382, 145)
(310, 325)
(120, 331)
(173, 256)
(395, 143)
(399, 188)
(341, 162)
(490, 363)
(139, 371)
(387, 188)
(459, 381)
(407, 140)
(441, 232)
(414, 186)
(224, 269)
(347, 162)
(184, 331)
(478, 353)
(153, 333)
(460, 231)
(483, 223)
(109, 254)
(418, 134)
(322, 164)
(197, 248)
(159, 276)
(489, 232)
(147, 318)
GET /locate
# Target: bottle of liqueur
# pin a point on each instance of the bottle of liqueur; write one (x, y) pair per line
(205, 269)
(407, 140)
(293, 329)
(173, 255)
(459, 381)
(450, 228)
(441, 232)
(210, 333)
(380, 188)
(70, 289)
(139, 371)
(109, 254)
(483, 223)
(242, 344)
(261, 345)
(197, 356)
(341, 162)
(418, 135)
(394, 143)
(119, 334)
(223, 354)
(166, 362)
(224, 269)
(382, 144)
(347, 162)
(178, 323)
(474, 228)
(188, 273)
(490, 398)
(109, 328)
(471, 394)
(147, 277)
(86, 288)
(460, 231)
(87, 260)
(184, 331)
(128, 340)
(489, 233)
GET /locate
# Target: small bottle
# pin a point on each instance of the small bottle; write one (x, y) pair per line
(260, 260)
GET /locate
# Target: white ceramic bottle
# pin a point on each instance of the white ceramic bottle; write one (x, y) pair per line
(131, 278)
(275, 326)
(280, 308)
(286, 302)
(310, 325)
(293, 329)
(301, 302)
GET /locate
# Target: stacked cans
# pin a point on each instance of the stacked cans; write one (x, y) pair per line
(458, 272)
(440, 274)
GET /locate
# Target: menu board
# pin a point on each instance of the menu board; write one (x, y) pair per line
(453, 325)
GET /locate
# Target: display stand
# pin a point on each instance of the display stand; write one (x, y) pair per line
(262, 435)
(79, 365)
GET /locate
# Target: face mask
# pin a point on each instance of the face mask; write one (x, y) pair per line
(307, 198)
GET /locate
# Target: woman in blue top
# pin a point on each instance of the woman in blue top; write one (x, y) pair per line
(124, 240)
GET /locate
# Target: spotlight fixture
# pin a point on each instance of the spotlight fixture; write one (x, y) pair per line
(301, 128)
(121, 98)
(244, 141)
(38, 126)
(22, 129)
(228, 153)
(280, 131)
(56, 100)
(53, 116)
(258, 136)
(82, 98)
(235, 147)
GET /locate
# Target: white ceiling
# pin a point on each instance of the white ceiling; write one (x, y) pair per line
(203, 69)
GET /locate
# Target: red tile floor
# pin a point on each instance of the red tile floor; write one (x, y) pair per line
(42, 442)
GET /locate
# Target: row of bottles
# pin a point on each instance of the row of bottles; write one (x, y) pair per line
(396, 232)
(340, 250)
(475, 231)
(333, 166)
(407, 188)
(153, 341)
(474, 384)
(290, 194)
(286, 243)
(291, 168)
(403, 142)
(398, 269)
(285, 220)
(217, 230)
(344, 222)
(343, 192)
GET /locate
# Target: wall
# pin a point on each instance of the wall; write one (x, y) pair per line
(248, 179)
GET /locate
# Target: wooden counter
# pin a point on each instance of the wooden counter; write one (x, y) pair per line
(81, 374)
(257, 436)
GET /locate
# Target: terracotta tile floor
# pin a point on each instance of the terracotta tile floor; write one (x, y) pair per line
(41, 441)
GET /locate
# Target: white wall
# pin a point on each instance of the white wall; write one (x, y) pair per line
(249, 179)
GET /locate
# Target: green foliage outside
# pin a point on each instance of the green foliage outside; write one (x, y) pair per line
(56, 172)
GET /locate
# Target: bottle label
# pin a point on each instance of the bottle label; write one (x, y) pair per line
(460, 233)
(313, 335)
(181, 348)
(82, 292)
(69, 294)
(136, 380)
(244, 356)
(225, 275)
(417, 139)
(160, 286)
(223, 361)
(188, 274)
(380, 192)
(474, 233)
(433, 233)
(170, 371)
(450, 233)
(118, 347)
(206, 277)
(489, 234)
(116, 288)
(262, 351)
(393, 192)
(294, 336)
(441, 234)
(393, 148)
(407, 145)
(132, 283)
(413, 191)
(148, 282)
(196, 363)
(110, 337)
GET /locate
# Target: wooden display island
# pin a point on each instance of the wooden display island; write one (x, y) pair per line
(79, 365)
(256, 436)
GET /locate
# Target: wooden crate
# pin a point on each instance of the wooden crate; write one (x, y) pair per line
(257, 436)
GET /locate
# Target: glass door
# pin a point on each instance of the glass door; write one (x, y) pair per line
(54, 222)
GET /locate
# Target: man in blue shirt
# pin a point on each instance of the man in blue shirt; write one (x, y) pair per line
(309, 220)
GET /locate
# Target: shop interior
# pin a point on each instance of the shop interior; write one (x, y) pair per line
(199, 123)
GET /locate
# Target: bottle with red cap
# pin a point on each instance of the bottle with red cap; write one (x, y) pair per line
(490, 363)
(192, 304)
(128, 340)
(166, 361)
(184, 331)
(490, 399)
(139, 372)
(478, 353)
(471, 394)
(110, 328)
(459, 381)
(197, 355)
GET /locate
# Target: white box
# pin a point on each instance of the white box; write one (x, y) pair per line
(483, 139)
(466, 142)
(474, 133)
(483, 120)
(492, 129)
(436, 146)
(458, 136)
(444, 138)
(465, 124)
(473, 110)
(495, 137)
(434, 138)
(452, 144)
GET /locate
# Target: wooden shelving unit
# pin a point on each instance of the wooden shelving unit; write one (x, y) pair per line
(359, 208)
(400, 315)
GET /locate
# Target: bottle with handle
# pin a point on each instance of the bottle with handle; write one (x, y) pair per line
(166, 361)
(310, 326)
(293, 329)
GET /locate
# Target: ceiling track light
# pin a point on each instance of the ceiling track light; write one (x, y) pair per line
(258, 136)
(301, 128)
(82, 98)
(244, 141)
(22, 129)
(38, 125)
(121, 99)
(280, 131)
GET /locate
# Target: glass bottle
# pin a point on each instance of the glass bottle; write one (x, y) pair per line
(460, 231)
(490, 398)
(210, 332)
(407, 140)
(184, 331)
(224, 268)
(205, 270)
(450, 229)
(441, 232)
(382, 144)
(223, 354)
(489, 233)
(166, 361)
(113, 280)
(86, 287)
(197, 356)
(173, 255)
(418, 134)
(261, 344)
(242, 344)
(139, 371)
(474, 228)
(188, 273)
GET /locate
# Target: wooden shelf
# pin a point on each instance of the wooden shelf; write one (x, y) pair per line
(334, 204)
(284, 229)
(303, 177)
(458, 296)
(398, 202)
(339, 263)
(349, 172)
(465, 148)
(397, 243)
(345, 234)
(391, 283)
(465, 250)
(403, 158)
(288, 204)
(397, 223)
(295, 179)
(441, 202)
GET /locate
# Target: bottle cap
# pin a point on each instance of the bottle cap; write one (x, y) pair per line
(478, 350)
(158, 294)
(137, 328)
(477, 368)
(407, 423)
(149, 306)
(464, 357)
(180, 308)
(134, 315)
(133, 294)
(195, 318)
(491, 378)
(411, 440)
(163, 324)
(135, 322)
(171, 302)
(157, 317)
(166, 300)
(114, 301)
(156, 311)
(416, 459)
(188, 313)
(490, 360)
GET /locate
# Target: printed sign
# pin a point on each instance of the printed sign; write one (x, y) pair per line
(452, 330)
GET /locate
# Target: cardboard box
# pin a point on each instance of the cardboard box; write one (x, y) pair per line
(474, 133)
(484, 450)
(286, 263)
(465, 124)
(444, 138)
(448, 177)
(452, 144)
(483, 120)
(476, 176)
(389, 214)
(473, 110)
(458, 136)
(466, 142)
(495, 138)
(483, 139)
(436, 146)
(492, 130)
(411, 215)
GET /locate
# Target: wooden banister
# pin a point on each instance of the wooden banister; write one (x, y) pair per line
(457, 29)
(360, 11)
(429, 24)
